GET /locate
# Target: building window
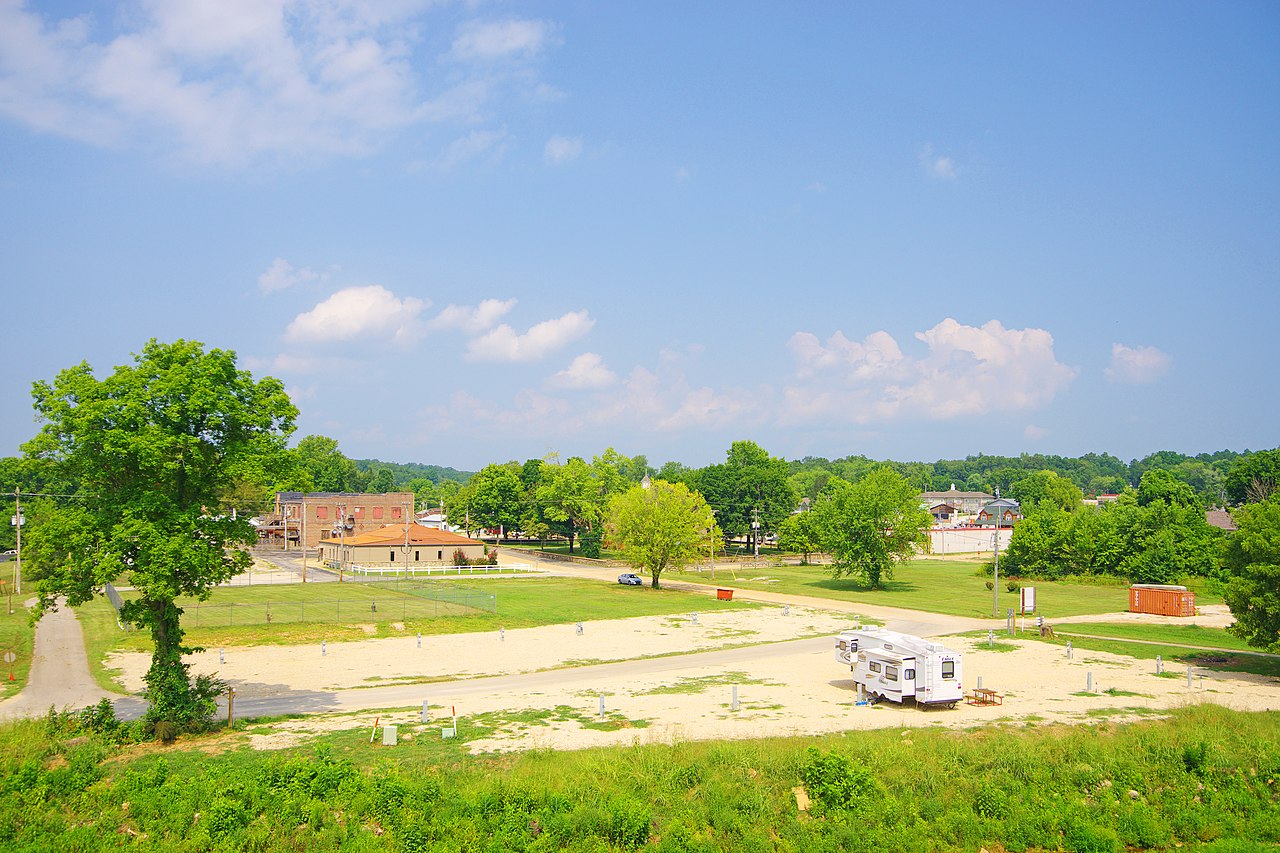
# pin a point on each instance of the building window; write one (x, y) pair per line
(377, 513)
(416, 557)
(909, 675)
(322, 512)
(875, 667)
(358, 512)
(948, 669)
(439, 555)
(393, 556)
(395, 512)
(891, 673)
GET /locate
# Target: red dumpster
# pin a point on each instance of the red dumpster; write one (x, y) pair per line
(724, 594)
(1162, 599)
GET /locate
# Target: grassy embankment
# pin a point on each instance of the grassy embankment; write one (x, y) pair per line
(345, 612)
(1204, 779)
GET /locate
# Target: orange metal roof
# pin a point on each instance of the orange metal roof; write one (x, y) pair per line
(394, 534)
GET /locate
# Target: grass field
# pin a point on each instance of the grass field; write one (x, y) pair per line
(1180, 635)
(932, 584)
(1171, 651)
(524, 602)
(1201, 780)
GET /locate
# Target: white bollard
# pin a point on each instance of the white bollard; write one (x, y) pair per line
(1159, 664)
(425, 713)
(1188, 675)
(221, 658)
(695, 618)
(502, 635)
(979, 682)
(579, 629)
(735, 697)
(601, 698)
(1088, 684)
(419, 639)
(786, 610)
(1068, 650)
(323, 650)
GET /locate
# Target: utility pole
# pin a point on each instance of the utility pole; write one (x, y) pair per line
(18, 521)
(755, 528)
(995, 577)
(304, 539)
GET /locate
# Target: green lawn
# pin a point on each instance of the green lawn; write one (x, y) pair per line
(1182, 635)
(931, 584)
(1175, 656)
(523, 602)
(16, 636)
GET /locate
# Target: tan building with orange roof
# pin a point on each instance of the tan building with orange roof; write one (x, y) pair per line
(398, 545)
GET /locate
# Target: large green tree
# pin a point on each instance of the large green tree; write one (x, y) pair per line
(1254, 478)
(871, 526)
(1253, 563)
(570, 499)
(155, 449)
(665, 526)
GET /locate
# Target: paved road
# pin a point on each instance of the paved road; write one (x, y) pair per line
(59, 670)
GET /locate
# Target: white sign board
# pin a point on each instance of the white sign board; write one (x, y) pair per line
(1028, 599)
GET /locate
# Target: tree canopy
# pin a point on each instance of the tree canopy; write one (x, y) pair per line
(666, 526)
(154, 449)
(872, 525)
(1252, 562)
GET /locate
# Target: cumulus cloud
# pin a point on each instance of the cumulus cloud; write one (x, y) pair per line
(503, 344)
(562, 149)
(1136, 365)
(369, 312)
(585, 371)
(472, 319)
(490, 40)
(281, 275)
(967, 370)
(937, 165)
(229, 81)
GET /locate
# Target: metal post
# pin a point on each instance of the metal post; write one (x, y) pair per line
(1068, 650)
(995, 577)
(231, 703)
(1159, 664)
(1188, 676)
(735, 697)
(323, 650)
(1088, 683)
(425, 712)
(601, 698)
(419, 639)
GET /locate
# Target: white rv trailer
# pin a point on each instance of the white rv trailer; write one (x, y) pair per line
(889, 665)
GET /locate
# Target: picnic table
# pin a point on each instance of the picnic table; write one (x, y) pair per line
(984, 696)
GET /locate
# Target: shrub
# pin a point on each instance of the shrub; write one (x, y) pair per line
(834, 780)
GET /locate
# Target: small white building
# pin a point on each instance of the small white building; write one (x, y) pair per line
(399, 545)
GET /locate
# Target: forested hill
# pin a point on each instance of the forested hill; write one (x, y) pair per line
(406, 471)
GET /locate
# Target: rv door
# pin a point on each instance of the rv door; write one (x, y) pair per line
(908, 677)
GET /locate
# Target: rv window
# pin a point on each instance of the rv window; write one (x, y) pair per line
(909, 675)
(891, 673)
(948, 669)
(874, 667)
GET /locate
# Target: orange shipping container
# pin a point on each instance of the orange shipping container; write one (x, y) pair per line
(1162, 600)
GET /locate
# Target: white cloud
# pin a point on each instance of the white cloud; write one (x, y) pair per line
(936, 165)
(876, 355)
(490, 40)
(562, 149)
(477, 143)
(968, 370)
(230, 81)
(585, 371)
(1136, 365)
(368, 312)
(1035, 433)
(503, 344)
(282, 275)
(471, 320)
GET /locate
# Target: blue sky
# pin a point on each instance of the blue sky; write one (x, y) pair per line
(479, 231)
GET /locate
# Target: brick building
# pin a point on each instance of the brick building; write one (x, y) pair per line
(312, 516)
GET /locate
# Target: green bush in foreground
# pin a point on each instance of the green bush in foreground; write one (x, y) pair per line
(1205, 779)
